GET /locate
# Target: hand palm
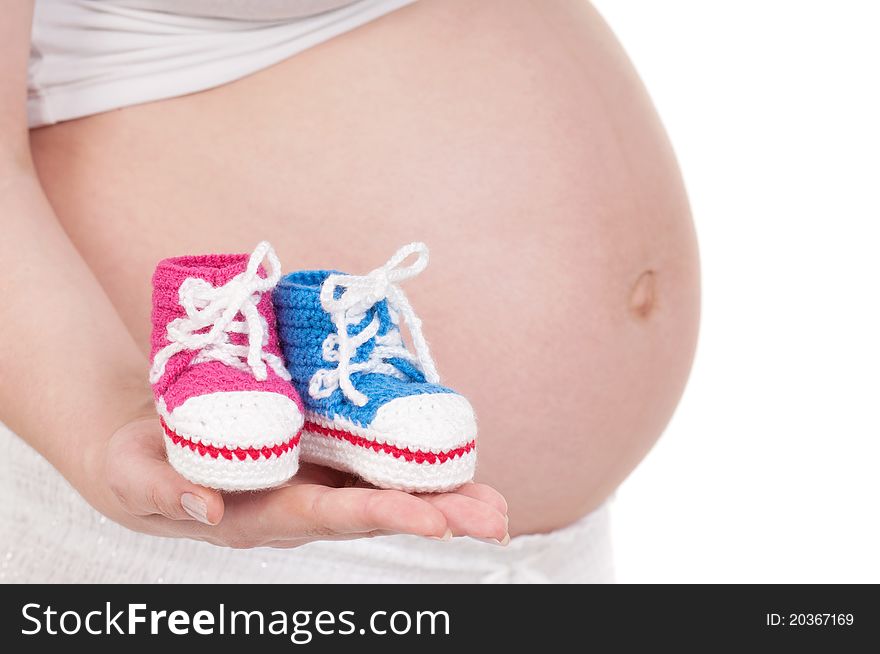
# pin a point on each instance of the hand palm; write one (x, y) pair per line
(317, 504)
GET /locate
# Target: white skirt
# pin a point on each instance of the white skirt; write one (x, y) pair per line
(48, 533)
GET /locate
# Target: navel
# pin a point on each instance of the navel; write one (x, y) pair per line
(643, 297)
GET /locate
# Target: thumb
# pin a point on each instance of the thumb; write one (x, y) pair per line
(146, 484)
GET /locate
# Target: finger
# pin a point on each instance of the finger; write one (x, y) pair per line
(295, 515)
(484, 493)
(145, 484)
(297, 542)
(321, 512)
(154, 487)
(471, 517)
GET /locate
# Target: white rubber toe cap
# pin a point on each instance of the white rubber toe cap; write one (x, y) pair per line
(426, 422)
(235, 419)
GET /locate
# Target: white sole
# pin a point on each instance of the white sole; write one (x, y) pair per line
(233, 474)
(386, 470)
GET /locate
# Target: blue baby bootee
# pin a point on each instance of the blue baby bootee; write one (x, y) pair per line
(372, 407)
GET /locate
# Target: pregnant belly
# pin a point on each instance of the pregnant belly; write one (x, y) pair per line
(562, 295)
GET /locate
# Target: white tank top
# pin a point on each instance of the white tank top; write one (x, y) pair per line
(238, 9)
(89, 56)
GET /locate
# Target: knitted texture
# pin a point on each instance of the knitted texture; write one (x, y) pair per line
(231, 418)
(371, 407)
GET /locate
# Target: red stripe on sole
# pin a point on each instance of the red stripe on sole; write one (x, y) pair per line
(418, 456)
(229, 454)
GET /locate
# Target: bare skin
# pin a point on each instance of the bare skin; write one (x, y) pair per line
(73, 386)
(514, 138)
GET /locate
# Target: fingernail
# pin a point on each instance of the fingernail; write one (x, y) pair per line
(195, 506)
(446, 536)
(494, 541)
(506, 522)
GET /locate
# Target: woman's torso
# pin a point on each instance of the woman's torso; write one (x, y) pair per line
(418, 126)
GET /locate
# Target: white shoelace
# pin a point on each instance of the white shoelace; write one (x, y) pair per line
(217, 307)
(359, 294)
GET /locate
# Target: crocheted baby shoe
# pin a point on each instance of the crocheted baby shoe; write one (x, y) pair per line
(372, 407)
(231, 417)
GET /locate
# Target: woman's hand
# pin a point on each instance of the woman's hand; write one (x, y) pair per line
(72, 374)
(138, 488)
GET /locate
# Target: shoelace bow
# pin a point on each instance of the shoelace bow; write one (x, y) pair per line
(216, 308)
(359, 295)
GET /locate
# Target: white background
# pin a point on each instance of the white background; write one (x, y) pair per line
(769, 470)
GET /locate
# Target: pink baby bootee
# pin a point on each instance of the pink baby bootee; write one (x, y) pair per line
(231, 417)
